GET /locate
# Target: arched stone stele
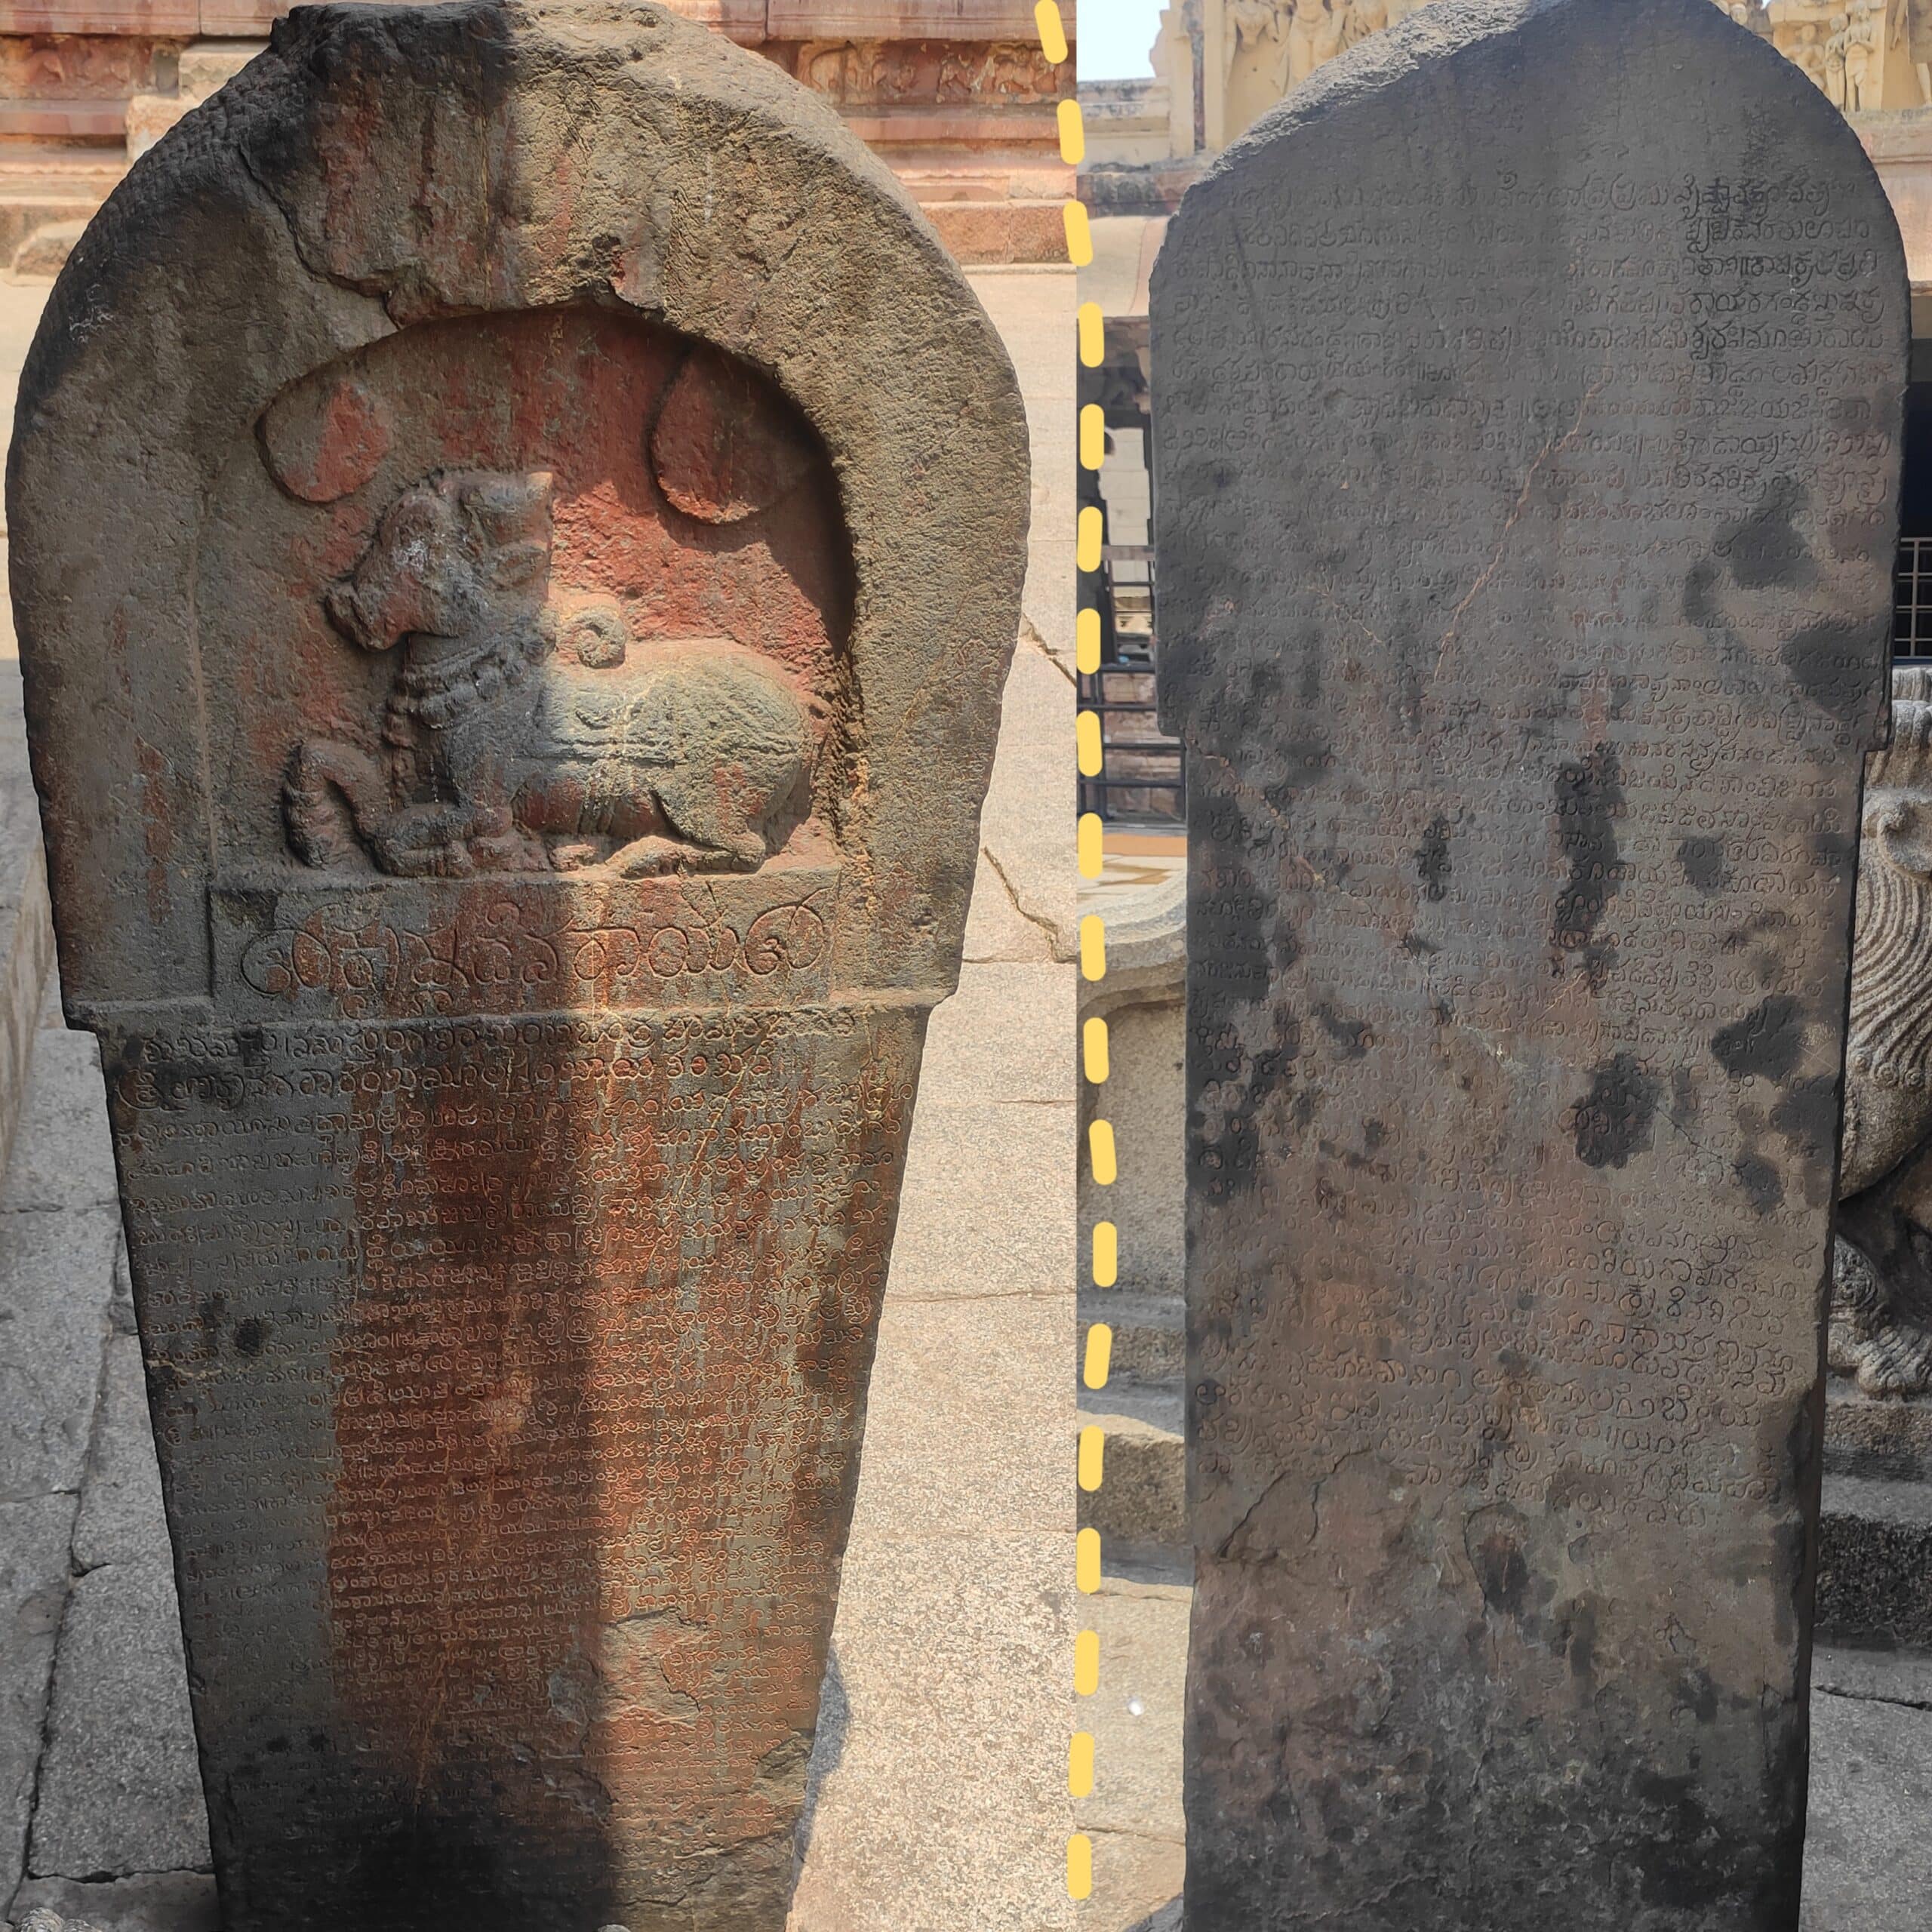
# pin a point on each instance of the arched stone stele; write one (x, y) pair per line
(517, 528)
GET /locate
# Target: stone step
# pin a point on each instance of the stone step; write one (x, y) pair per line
(1149, 1334)
(1867, 1435)
(1874, 1564)
(1142, 1502)
(1889, 1677)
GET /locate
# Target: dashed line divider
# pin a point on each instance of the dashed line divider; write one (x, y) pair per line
(1102, 1156)
(1072, 134)
(1101, 1153)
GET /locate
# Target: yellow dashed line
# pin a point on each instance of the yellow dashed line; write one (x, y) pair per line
(1093, 439)
(1086, 1663)
(1099, 1356)
(1080, 1867)
(1080, 1765)
(1093, 335)
(1092, 1456)
(1072, 135)
(1093, 946)
(1093, 848)
(1093, 1050)
(1106, 1254)
(1052, 35)
(1087, 743)
(1087, 545)
(1087, 642)
(1086, 1561)
(1091, 1459)
(1079, 235)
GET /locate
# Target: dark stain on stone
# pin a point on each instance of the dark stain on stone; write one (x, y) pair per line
(1682, 1097)
(1836, 851)
(1576, 1636)
(251, 1337)
(1704, 864)
(212, 1317)
(1352, 1037)
(1765, 550)
(1589, 796)
(1236, 945)
(1504, 1574)
(1766, 1043)
(1764, 1186)
(1835, 665)
(1756, 927)
(1807, 1115)
(1416, 947)
(1302, 762)
(1432, 866)
(1700, 603)
(1613, 1120)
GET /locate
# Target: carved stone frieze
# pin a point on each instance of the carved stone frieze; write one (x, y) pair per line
(1882, 1314)
(875, 73)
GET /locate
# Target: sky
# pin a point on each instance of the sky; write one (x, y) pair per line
(1114, 36)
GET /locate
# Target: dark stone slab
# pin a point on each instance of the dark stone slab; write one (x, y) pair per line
(513, 664)
(1528, 442)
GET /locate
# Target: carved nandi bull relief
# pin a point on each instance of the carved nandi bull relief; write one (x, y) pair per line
(526, 730)
(1882, 1313)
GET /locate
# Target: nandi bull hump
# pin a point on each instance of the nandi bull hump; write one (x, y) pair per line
(528, 730)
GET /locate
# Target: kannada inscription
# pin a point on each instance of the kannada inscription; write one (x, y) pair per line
(502, 1369)
(1527, 433)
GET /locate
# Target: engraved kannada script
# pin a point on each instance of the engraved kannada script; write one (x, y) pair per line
(575, 1301)
(1581, 888)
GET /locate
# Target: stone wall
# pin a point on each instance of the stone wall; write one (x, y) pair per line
(955, 95)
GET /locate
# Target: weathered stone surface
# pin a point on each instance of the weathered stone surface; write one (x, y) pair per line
(509, 867)
(952, 1630)
(63, 1157)
(34, 1539)
(52, 1267)
(120, 1790)
(1528, 446)
(121, 1519)
(1881, 1304)
(156, 1902)
(1868, 1867)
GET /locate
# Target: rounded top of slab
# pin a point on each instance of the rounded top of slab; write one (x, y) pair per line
(380, 167)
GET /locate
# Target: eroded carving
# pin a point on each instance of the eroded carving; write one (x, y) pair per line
(526, 730)
(878, 73)
(1881, 1311)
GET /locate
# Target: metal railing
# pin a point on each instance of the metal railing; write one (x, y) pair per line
(1911, 601)
(1142, 778)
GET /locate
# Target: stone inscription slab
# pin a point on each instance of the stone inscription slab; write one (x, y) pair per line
(1527, 425)
(504, 1372)
(511, 679)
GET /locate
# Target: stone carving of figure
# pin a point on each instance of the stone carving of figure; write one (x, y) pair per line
(1314, 36)
(1365, 17)
(1837, 47)
(1881, 1317)
(521, 734)
(1253, 22)
(1802, 42)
